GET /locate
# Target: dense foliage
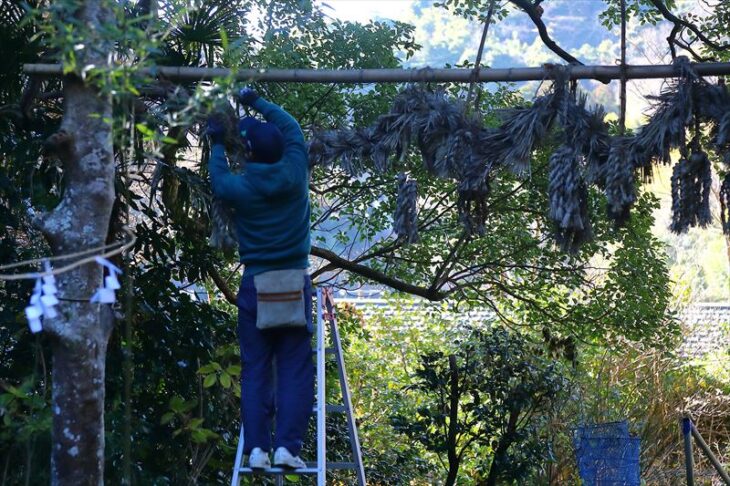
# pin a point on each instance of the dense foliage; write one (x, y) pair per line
(486, 402)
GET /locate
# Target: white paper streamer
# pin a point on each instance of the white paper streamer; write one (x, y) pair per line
(35, 310)
(42, 301)
(48, 293)
(105, 294)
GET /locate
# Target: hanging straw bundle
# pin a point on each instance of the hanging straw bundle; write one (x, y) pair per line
(691, 187)
(672, 114)
(568, 199)
(406, 214)
(619, 180)
(457, 146)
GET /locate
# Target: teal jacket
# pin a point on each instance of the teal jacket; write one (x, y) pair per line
(270, 201)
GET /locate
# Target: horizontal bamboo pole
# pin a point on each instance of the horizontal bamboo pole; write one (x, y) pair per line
(407, 75)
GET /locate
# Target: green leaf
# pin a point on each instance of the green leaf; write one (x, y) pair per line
(189, 405)
(177, 404)
(144, 130)
(204, 370)
(234, 370)
(199, 436)
(225, 380)
(195, 423)
(16, 392)
(167, 418)
(210, 380)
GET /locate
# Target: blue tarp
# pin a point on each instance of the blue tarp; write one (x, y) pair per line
(607, 454)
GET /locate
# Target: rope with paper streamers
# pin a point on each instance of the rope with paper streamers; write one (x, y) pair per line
(44, 298)
(107, 251)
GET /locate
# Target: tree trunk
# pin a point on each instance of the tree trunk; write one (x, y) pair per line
(501, 451)
(453, 422)
(81, 331)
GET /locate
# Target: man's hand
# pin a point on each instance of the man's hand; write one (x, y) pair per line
(246, 96)
(215, 130)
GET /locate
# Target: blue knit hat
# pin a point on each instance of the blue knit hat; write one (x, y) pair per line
(265, 140)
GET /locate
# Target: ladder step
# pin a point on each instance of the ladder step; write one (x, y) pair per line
(326, 351)
(310, 469)
(330, 408)
(278, 471)
(335, 408)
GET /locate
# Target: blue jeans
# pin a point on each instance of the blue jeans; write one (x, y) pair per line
(294, 396)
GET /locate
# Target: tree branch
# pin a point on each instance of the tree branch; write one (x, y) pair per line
(689, 49)
(377, 276)
(503, 445)
(448, 262)
(671, 39)
(536, 17)
(478, 61)
(451, 439)
(222, 285)
(693, 28)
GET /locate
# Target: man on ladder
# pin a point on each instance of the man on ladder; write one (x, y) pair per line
(271, 205)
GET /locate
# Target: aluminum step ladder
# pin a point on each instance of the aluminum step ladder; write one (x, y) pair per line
(325, 312)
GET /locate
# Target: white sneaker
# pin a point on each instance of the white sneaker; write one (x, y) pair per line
(283, 458)
(258, 459)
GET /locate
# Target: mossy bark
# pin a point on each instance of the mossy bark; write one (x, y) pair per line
(81, 220)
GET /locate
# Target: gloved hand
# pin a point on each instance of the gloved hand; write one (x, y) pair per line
(246, 96)
(215, 130)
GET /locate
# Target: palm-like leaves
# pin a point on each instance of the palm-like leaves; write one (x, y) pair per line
(197, 35)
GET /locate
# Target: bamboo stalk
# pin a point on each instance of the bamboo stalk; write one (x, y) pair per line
(480, 52)
(708, 452)
(364, 76)
(622, 95)
(688, 459)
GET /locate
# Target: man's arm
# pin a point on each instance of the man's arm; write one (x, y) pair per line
(227, 186)
(273, 113)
